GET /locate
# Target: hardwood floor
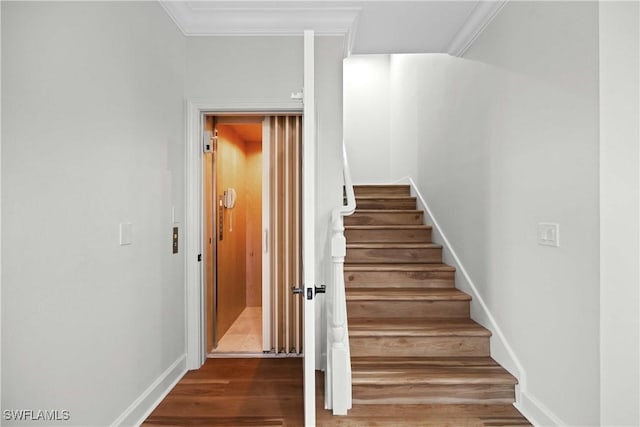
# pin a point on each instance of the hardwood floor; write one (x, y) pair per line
(268, 392)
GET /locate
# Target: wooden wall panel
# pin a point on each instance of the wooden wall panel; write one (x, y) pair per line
(254, 223)
(285, 204)
(231, 263)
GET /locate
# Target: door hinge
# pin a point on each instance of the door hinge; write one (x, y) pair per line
(199, 257)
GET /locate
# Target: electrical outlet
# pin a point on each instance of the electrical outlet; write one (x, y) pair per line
(548, 234)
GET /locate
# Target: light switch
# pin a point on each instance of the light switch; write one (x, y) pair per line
(548, 234)
(126, 233)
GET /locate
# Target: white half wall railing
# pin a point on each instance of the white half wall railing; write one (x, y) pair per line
(338, 375)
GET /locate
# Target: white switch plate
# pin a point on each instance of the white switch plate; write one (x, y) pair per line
(549, 234)
(126, 233)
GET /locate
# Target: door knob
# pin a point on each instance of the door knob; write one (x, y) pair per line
(322, 289)
(297, 291)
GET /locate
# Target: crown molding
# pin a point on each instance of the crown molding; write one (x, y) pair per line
(222, 19)
(478, 20)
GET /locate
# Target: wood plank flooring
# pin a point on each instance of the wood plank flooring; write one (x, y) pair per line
(268, 392)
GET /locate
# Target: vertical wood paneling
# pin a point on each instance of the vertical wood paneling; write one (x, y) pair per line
(285, 224)
(231, 259)
(254, 223)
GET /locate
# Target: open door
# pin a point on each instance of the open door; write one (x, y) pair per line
(308, 231)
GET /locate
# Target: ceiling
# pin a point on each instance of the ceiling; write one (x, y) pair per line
(370, 27)
(251, 132)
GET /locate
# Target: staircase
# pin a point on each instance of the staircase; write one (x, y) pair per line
(411, 336)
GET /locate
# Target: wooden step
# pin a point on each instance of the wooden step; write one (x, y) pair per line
(387, 233)
(385, 217)
(515, 421)
(431, 275)
(386, 202)
(381, 190)
(403, 253)
(424, 380)
(418, 338)
(407, 302)
(429, 415)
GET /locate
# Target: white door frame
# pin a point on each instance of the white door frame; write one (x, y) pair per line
(308, 230)
(194, 218)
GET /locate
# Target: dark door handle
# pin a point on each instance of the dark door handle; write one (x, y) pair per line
(322, 289)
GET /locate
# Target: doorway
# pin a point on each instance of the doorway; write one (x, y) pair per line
(252, 239)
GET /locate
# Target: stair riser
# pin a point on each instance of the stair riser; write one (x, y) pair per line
(388, 236)
(408, 309)
(392, 255)
(385, 218)
(445, 346)
(421, 394)
(381, 190)
(382, 203)
(399, 279)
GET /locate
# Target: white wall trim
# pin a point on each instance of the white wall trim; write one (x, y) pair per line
(220, 19)
(478, 20)
(537, 412)
(140, 409)
(526, 403)
(194, 279)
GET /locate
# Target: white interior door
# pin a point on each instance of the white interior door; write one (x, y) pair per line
(308, 231)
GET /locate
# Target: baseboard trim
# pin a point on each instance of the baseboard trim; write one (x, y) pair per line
(140, 409)
(500, 348)
(536, 412)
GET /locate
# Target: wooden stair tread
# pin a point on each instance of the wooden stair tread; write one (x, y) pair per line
(399, 267)
(406, 294)
(384, 197)
(405, 361)
(393, 246)
(403, 327)
(388, 227)
(395, 211)
(430, 374)
(404, 187)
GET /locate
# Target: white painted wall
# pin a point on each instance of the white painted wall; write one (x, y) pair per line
(619, 214)
(328, 91)
(509, 140)
(403, 116)
(92, 114)
(244, 68)
(366, 118)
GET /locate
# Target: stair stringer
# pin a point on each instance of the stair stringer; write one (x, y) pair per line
(501, 350)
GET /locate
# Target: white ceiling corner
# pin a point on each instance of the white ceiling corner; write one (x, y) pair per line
(478, 20)
(239, 18)
(370, 27)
